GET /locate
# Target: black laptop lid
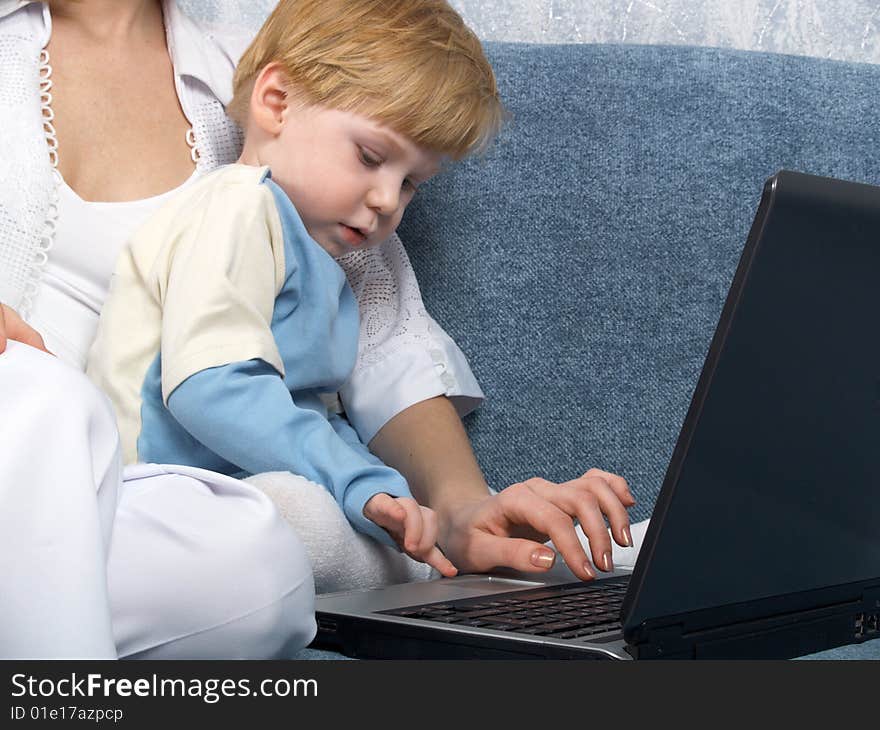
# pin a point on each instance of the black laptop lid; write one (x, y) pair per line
(772, 486)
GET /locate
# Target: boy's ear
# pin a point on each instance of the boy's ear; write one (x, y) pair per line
(269, 98)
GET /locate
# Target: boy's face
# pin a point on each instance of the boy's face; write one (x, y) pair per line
(349, 177)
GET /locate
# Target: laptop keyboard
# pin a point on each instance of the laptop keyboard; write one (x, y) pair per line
(568, 611)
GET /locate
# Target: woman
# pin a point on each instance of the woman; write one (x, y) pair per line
(111, 105)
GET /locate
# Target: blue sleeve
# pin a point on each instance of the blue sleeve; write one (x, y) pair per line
(346, 432)
(244, 413)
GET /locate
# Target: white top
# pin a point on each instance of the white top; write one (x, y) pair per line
(88, 241)
(403, 356)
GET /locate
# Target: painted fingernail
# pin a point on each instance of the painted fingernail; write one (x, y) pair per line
(606, 562)
(627, 537)
(588, 569)
(543, 558)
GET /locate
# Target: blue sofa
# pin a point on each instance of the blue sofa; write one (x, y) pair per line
(582, 262)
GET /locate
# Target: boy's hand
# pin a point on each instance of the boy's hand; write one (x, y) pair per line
(413, 528)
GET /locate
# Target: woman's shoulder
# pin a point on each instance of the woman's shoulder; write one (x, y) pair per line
(8, 7)
(233, 40)
(24, 20)
(201, 30)
(204, 51)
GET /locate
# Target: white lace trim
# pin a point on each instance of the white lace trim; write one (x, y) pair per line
(47, 236)
(392, 313)
(194, 152)
(216, 139)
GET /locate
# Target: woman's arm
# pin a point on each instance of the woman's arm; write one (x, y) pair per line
(427, 443)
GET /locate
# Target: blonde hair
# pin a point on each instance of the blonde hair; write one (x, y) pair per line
(412, 65)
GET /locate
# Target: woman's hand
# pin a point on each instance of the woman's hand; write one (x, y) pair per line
(13, 327)
(508, 529)
(477, 532)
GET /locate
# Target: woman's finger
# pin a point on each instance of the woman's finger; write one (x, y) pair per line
(597, 493)
(617, 483)
(528, 505)
(592, 499)
(487, 551)
(13, 327)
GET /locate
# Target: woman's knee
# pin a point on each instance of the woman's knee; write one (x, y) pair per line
(224, 577)
(59, 445)
(278, 622)
(284, 588)
(41, 391)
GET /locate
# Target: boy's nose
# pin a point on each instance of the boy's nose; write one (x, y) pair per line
(384, 198)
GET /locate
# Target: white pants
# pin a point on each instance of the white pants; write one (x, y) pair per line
(153, 563)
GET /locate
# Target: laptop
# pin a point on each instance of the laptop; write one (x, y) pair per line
(765, 537)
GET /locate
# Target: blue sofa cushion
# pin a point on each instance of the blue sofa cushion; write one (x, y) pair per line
(582, 262)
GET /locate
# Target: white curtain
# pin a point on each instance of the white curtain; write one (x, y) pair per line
(845, 29)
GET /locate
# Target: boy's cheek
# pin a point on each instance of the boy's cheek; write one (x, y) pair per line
(398, 218)
(385, 232)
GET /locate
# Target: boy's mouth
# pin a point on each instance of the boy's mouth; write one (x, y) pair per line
(353, 236)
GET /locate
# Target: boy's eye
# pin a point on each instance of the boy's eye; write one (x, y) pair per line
(409, 185)
(368, 158)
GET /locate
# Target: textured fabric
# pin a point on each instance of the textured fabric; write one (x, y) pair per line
(583, 261)
(26, 221)
(341, 558)
(403, 355)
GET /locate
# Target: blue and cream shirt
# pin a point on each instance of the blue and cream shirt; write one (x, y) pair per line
(224, 325)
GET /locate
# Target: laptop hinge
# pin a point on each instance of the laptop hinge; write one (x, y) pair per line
(785, 634)
(867, 623)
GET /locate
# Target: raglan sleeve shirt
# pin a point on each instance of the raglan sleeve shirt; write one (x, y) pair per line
(222, 375)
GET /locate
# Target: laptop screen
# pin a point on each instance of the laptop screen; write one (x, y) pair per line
(772, 488)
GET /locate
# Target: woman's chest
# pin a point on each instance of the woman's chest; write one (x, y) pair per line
(122, 134)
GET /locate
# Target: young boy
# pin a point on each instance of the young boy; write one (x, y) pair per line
(228, 317)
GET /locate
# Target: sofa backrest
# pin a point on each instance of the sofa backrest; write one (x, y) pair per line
(582, 262)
